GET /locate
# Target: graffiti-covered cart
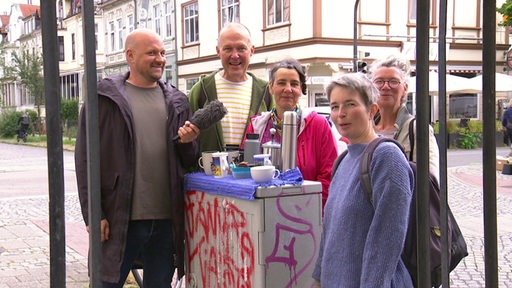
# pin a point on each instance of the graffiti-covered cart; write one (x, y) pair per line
(239, 234)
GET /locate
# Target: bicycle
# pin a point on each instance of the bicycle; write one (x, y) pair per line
(22, 135)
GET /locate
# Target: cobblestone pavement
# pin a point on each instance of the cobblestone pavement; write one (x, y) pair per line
(24, 248)
(24, 243)
(466, 202)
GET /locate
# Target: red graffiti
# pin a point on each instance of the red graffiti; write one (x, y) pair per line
(218, 241)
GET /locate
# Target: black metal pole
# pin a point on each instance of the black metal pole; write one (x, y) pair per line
(422, 117)
(489, 149)
(356, 5)
(443, 161)
(54, 144)
(93, 162)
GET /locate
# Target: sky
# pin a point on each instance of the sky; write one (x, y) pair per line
(5, 5)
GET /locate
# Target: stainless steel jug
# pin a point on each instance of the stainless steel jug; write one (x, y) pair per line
(289, 141)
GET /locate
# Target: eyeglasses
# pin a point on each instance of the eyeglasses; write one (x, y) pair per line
(393, 83)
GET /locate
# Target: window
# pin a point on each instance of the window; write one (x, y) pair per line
(75, 8)
(25, 28)
(61, 48)
(168, 74)
(120, 41)
(112, 37)
(321, 99)
(156, 17)
(190, 82)
(130, 23)
(463, 106)
(96, 36)
(230, 11)
(69, 86)
(168, 19)
(191, 20)
(278, 11)
(413, 6)
(412, 11)
(60, 10)
(73, 48)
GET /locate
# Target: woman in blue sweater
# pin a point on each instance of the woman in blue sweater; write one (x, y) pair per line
(362, 241)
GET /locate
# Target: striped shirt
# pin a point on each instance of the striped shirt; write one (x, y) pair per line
(236, 97)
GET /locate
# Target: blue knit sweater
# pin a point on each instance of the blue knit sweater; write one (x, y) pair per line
(362, 243)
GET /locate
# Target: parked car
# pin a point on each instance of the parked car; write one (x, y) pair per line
(326, 112)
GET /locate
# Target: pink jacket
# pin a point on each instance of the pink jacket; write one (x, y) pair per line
(316, 146)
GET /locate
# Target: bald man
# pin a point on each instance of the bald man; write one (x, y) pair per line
(235, 49)
(142, 202)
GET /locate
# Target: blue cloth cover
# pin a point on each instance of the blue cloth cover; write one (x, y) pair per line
(238, 188)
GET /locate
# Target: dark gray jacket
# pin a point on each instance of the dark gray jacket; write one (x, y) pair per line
(116, 152)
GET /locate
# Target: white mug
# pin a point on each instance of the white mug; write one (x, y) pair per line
(264, 174)
(205, 161)
(220, 165)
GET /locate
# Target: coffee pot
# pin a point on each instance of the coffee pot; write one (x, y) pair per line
(274, 149)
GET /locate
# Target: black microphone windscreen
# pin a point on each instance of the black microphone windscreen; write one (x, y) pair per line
(209, 115)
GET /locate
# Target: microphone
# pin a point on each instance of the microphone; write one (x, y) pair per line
(207, 116)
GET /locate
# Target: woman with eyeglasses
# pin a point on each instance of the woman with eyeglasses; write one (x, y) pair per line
(391, 77)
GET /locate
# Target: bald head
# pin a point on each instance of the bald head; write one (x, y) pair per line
(145, 54)
(139, 36)
(235, 28)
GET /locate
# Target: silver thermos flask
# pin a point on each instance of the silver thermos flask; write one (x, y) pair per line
(289, 141)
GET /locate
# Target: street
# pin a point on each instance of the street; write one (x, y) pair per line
(461, 157)
(24, 241)
(24, 218)
(24, 171)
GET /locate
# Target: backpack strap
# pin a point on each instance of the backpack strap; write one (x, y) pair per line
(337, 162)
(266, 99)
(411, 138)
(366, 161)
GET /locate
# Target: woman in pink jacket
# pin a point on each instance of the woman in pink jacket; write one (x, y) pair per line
(316, 146)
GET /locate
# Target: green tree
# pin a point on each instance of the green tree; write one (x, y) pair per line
(506, 11)
(27, 67)
(9, 123)
(69, 114)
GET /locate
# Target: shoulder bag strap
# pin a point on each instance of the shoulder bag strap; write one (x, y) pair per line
(365, 164)
(411, 138)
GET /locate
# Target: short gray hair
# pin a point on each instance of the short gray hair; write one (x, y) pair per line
(400, 63)
(356, 82)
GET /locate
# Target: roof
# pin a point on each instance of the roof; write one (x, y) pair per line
(4, 21)
(27, 9)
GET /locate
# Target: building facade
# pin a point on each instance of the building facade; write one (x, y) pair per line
(318, 33)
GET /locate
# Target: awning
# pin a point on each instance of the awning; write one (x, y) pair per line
(454, 84)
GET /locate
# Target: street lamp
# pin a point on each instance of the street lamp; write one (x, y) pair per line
(354, 60)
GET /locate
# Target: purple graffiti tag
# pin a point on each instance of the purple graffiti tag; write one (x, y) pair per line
(284, 252)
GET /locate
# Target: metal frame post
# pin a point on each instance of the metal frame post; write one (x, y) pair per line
(422, 117)
(489, 149)
(93, 161)
(54, 144)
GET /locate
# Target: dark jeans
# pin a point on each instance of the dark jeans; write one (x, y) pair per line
(23, 129)
(509, 137)
(151, 242)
